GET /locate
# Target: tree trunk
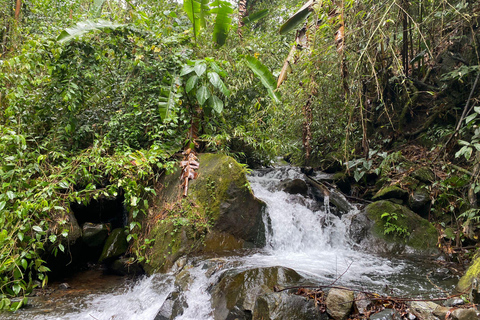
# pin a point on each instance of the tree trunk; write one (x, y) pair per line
(17, 9)
(242, 12)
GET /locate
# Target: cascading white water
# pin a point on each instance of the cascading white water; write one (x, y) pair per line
(300, 235)
(311, 241)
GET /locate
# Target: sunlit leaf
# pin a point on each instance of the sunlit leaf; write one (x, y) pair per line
(191, 83)
(216, 104)
(255, 16)
(202, 95)
(265, 76)
(298, 18)
(85, 27)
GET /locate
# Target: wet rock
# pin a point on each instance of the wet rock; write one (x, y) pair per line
(74, 230)
(238, 290)
(362, 302)
(295, 186)
(441, 312)
(359, 227)
(470, 282)
(115, 246)
(453, 302)
(387, 314)
(413, 233)
(220, 195)
(94, 235)
(64, 286)
(465, 314)
(281, 305)
(419, 202)
(173, 307)
(339, 303)
(424, 309)
(391, 192)
(123, 267)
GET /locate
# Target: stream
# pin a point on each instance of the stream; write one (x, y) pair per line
(302, 234)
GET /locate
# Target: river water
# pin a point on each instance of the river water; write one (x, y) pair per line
(301, 234)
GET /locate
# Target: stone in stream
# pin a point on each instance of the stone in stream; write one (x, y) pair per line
(281, 305)
(424, 309)
(470, 282)
(419, 202)
(295, 186)
(235, 295)
(115, 246)
(339, 303)
(387, 314)
(465, 314)
(94, 234)
(408, 232)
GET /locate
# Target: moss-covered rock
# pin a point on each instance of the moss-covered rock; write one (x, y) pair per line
(220, 213)
(423, 174)
(470, 282)
(401, 227)
(115, 246)
(391, 192)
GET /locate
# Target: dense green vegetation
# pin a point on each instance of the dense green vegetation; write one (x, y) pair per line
(96, 97)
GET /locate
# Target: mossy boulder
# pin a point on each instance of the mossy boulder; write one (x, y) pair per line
(470, 282)
(391, 192)
(399, 230)
(115, 246)
(236, 292)
(220, 213)
(424, 175)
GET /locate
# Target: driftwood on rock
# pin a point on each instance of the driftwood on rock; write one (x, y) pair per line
(335, 197)
(189, 164)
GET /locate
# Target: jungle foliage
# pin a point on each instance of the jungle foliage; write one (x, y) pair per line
(97, 97)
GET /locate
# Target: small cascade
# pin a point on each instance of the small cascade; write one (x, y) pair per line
(301, 234)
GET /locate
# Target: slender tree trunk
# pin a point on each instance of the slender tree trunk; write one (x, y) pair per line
(242, 12)
(403, 7)
(307, 132)
(17, 9)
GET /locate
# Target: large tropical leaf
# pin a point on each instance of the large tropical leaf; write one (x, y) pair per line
(255, 16)
(167, 100)
(297, 18)
(196, 11)
(86, 26)
(265, 76)
(97, 8)
(223, 20)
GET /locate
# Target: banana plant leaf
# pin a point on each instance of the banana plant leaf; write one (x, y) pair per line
(196, 11)
(265, 76)
(223, 21)
(85, 27)
(297, 18)
(255, 16)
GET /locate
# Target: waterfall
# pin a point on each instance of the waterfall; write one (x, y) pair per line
(301, 234)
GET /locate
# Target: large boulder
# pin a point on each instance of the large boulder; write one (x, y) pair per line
(281, 305)
(220, 213)
(386, 227)
(235, 294)
(470, 282)
(115, 246)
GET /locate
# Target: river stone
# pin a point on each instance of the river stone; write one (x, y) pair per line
(173, 307)
(362, 302)
(115, 246)
(387, 314)
(236, 291)
(470, 281)
(339, 303)
(424, 309)
(419, 202)
(422, 235)
(123, 267)
(295, 186)
(94, 234)
(222, 196)
(465, 314)
(281, 305)
(391, 192)
(74, 230)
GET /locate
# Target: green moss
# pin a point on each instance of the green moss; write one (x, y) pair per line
(422, 234)
(473, 272)
(391, 192)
